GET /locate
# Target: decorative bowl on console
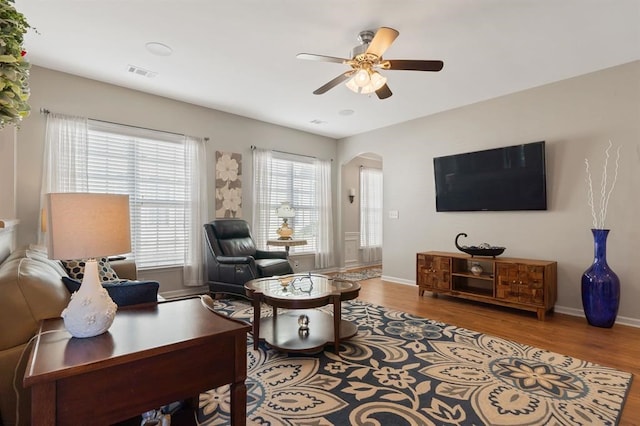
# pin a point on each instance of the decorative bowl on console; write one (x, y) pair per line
(483, 249)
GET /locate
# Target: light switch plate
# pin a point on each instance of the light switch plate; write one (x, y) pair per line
(393, 214)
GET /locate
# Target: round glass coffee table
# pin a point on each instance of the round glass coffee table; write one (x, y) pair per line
(301, 328)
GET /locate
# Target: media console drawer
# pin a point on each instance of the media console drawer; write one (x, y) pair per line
(525, 284)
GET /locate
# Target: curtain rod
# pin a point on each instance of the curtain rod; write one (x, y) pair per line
(253, 147)
(45, 111)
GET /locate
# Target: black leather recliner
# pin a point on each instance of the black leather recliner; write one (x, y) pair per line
(233, 260)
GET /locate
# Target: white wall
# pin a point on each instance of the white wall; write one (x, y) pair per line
(67, 94)
(576, 118)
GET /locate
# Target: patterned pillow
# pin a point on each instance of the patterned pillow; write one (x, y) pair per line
(75, 269)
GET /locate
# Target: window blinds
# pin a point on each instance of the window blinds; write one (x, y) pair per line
(151, 167)
(292, 179)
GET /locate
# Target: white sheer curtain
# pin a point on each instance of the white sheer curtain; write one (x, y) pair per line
(64, 162)
(371, 214)
(194, 270)
(324, 252)
(262, 211)
(72, 143)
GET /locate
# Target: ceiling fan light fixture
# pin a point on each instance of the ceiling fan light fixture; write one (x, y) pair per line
(375, 81)
(378, 80)
(362, 77)
(366, 60)
(351, 84)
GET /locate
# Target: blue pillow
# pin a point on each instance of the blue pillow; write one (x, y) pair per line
(123, 293)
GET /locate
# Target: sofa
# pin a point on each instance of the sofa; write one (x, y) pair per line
(31, 289)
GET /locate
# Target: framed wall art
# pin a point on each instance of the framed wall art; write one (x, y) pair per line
(228, 185)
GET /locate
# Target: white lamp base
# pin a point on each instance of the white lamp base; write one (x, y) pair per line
(90, 311)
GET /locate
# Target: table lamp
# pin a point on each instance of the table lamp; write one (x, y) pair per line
(285, 212)
(88, 226)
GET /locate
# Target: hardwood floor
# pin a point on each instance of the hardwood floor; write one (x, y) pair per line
(617, 347)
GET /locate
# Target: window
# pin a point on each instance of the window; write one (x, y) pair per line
(304, 182)
(292, 180)
(153, 169)
(164, 175)
(371, 214)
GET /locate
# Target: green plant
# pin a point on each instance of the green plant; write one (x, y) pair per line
(14, 68)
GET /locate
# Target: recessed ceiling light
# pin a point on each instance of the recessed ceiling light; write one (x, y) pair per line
(158, 49)
(317, 122)
(346, 112)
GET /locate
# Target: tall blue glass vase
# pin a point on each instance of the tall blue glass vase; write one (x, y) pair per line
(600, 285)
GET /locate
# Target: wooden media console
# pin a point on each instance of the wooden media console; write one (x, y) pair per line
(525, 284)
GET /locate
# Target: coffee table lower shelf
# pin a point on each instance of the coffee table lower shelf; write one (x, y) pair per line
(282, 332)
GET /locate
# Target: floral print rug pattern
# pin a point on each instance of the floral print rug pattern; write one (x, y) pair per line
(359, 275)
(405, 370)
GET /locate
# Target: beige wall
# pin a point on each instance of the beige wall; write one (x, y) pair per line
(7, 173)
(64, 93)
(576, 118)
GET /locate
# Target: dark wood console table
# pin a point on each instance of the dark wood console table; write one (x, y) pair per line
(152, 355)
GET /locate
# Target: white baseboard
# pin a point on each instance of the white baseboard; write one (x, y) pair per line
(631, 322)
(187, 291)
(398, 280)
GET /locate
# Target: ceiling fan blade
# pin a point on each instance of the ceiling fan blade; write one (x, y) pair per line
(412, 65)
(333, 83)
(320, 58)
(382, 40)
(384, 92)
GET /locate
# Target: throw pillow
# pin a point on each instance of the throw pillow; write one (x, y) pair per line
(75, 269)
(123, 293)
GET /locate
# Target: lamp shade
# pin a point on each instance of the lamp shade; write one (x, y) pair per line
(83, 225)
(285, 211)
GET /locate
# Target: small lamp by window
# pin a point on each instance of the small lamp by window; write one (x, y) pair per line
(352, 194)
(88, 226)
(285, 212)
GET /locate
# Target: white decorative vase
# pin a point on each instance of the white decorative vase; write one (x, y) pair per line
(90, 311)
(476, 269)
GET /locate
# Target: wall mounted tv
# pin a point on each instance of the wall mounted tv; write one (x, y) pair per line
(500, 179)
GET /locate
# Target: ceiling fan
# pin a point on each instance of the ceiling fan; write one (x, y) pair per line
(366, 60)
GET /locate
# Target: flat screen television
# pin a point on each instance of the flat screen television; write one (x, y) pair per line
(500, 179)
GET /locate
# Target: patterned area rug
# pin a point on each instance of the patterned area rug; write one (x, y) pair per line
(359, 275)
(404, 370)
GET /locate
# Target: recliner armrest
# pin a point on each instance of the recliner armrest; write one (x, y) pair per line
(263, 254)
(231, 260)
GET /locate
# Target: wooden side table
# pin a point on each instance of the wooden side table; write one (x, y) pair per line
(286, 243)
(300, 293)
(152, 355)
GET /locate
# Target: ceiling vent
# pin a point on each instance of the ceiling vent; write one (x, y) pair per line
(141, 71)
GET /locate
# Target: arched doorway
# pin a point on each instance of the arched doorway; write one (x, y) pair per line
(354, 255)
